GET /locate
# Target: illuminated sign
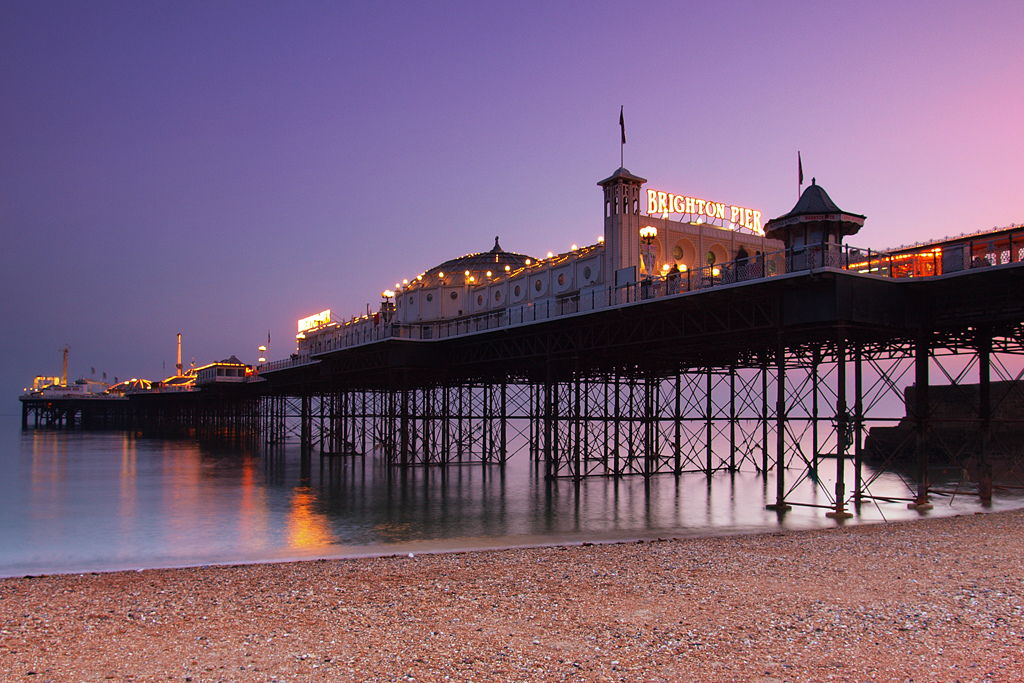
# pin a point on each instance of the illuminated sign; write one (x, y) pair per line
(314, 321)
(703, 210)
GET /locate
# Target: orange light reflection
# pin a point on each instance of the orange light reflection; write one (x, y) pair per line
(306, 527)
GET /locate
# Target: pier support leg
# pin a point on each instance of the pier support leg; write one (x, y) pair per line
(780, 504)
(503, 447)
(549, 427)
(842, 431)
(403, 453)
(764, 417)
(650, 426)
(732, 418)
(709, 416)
(678, 416)
(984, 466)
(858, 424)
(815, 361)
(577, 419)
(922, 423)
(617, 470)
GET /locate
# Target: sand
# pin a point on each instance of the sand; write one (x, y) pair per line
(930, 600)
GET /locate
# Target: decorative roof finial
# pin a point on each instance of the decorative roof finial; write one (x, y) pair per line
(497, 247)
(814, 181)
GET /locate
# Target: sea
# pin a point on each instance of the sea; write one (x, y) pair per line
(90, 501)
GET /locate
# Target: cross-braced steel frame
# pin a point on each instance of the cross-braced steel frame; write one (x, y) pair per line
(792, 410)
(809, 380)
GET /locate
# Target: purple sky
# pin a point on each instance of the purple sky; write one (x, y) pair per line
(221, 169)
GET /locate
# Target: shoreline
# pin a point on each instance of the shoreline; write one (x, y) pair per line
(932, 599)
(435, 546)
(438, 547)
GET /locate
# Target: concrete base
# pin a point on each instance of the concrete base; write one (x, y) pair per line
(839, 514)
(920, 506)
(779, 507)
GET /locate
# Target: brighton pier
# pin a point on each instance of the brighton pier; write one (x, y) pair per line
(669, 347)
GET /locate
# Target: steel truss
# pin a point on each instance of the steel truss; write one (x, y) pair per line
(801, 410)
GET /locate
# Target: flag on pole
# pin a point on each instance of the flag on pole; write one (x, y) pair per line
(800, 168)
(268, 337)
(622, 125)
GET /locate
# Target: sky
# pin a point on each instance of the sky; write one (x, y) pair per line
(221, 169)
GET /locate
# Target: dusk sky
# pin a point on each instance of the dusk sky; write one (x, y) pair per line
(222, 169)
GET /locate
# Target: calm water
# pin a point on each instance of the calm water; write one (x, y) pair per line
(88, 501)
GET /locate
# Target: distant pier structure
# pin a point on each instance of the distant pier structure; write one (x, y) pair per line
(694, 337)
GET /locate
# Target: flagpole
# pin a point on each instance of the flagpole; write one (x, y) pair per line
(800, 175)
(622, 146)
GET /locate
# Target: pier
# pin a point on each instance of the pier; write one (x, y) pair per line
(778, 353)
(785, 374)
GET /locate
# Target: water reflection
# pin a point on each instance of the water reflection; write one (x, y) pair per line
(253, 514)
(307, 528)
(82, 501)
(127, 489)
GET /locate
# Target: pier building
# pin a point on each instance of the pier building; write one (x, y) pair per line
(687, 239)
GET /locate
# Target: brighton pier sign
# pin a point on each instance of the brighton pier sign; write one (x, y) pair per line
(703, 210)
(315, 321)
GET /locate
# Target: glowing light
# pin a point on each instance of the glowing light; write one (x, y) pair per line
(440, 274)
(550, 254)
(405, 282)
(665, 267)
(472, 279)
(665, 203)
(508, 268)
(314, 321)
(715, 272)
(648, 233)
(574, 247)
(261, 349)
(527, 261)
(600, 239)
(682, 268)
(467, 273)
(488, 273)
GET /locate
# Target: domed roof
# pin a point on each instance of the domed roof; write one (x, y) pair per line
(624, 176)
(454, 270)
(815, 206)
(815, 200)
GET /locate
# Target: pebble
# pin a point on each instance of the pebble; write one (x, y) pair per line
(930, 600)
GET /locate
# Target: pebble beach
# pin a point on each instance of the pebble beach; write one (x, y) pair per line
(938, 599)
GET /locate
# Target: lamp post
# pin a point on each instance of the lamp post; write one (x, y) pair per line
(263, 353)
(388, 307)
(647, 234)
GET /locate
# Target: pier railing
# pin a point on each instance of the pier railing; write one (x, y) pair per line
(896, 264)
